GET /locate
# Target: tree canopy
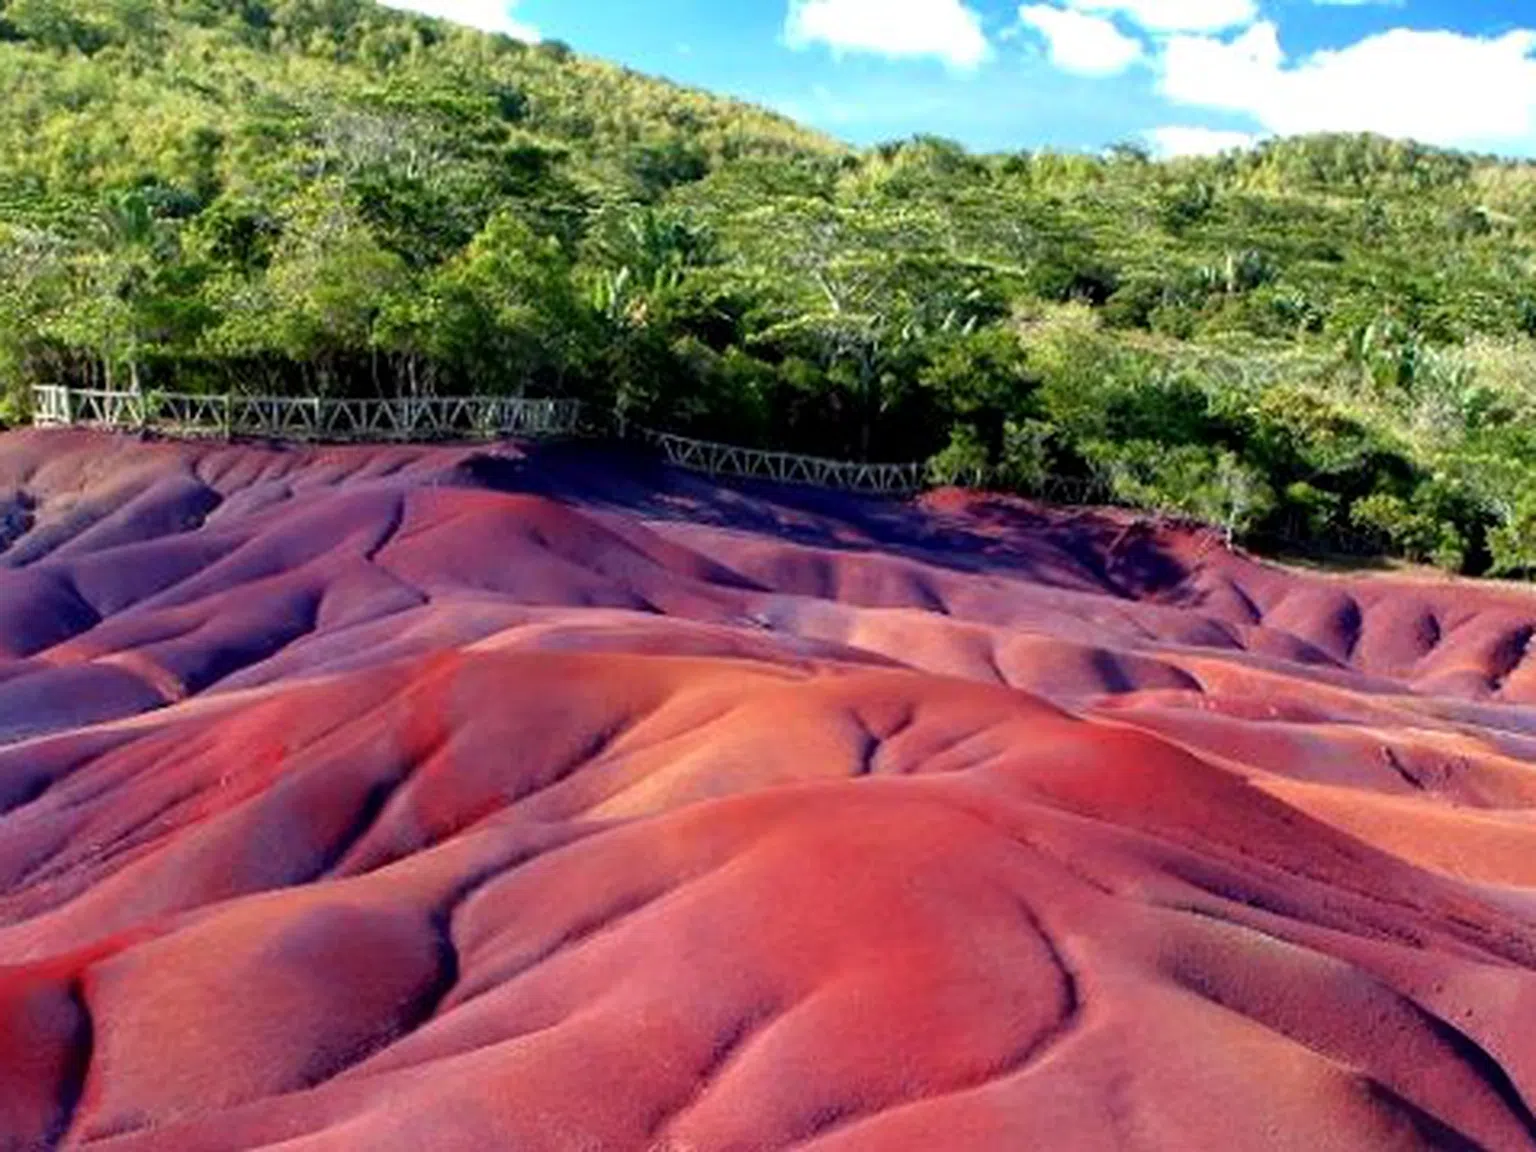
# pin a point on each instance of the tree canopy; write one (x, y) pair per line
(1328, 339)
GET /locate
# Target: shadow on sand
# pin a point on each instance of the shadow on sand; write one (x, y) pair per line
(1083, 548)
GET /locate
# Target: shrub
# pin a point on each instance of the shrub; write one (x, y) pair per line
(1410, 529)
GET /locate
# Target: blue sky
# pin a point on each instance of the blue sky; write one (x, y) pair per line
(1179, 75)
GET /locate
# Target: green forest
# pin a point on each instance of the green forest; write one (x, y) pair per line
(1324, 343)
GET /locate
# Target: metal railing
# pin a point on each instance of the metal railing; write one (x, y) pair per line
(316, 419)
(306, 418)
(717, 459)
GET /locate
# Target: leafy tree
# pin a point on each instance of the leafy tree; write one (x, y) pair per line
(1210, 486)
(856, 292)
(1410, 529)
(1324, 340)
(1513, 543)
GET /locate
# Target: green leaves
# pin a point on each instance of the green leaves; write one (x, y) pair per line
(1322, 340)
(1415, 528)
(327, 279)
(1212, 486)
(1512, 544)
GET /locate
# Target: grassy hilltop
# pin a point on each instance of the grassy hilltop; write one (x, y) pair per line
(1325, 339)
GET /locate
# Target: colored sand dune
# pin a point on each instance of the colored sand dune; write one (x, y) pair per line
(453, 799)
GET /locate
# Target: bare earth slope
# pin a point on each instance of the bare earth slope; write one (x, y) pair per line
(427, 798)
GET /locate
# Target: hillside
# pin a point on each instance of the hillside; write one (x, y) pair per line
(402, 798)
(1323, 343)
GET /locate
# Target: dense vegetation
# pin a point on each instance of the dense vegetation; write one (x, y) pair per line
(1328, 341)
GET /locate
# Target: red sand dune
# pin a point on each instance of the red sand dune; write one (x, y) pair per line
(455, 799)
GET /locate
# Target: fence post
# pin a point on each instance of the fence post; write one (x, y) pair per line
(229, 417)
(69, 405)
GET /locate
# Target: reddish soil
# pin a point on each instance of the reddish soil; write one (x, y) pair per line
(411, 798)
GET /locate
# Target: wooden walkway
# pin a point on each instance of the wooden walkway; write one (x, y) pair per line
(317, 420)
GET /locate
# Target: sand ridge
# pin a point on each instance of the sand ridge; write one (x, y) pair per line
(464, 798)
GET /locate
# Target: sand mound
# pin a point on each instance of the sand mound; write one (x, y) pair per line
(433, 798)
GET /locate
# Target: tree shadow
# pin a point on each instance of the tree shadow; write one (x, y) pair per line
(1085, 549)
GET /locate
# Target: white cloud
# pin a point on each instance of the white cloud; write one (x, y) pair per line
(1088, 45)
(1190, 140)
(490, 15)
(1176, 15)
(948, 30)
(1237, 75)
(1437, 87)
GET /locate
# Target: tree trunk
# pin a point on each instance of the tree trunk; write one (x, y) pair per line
(867, 405)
